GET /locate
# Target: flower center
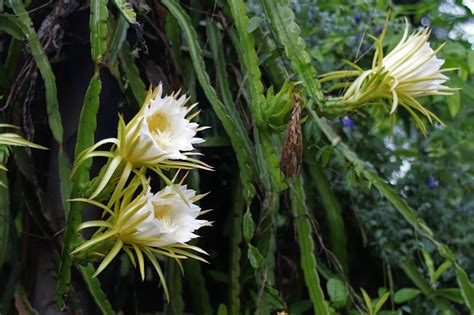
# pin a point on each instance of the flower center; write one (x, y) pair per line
(158, 122)
(162, 213)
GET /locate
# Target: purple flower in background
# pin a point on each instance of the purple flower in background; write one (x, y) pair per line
(347, 122)
(432, 182)
(357, 18)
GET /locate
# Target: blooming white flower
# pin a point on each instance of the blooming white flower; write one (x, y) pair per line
(160, 136)
(168, 219)
(414, 67)
(409, 71)
(160, 131)
(144, 225)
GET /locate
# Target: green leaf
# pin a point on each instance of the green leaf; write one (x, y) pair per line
(222, 310)
(380, 302)
(429, 264)
(65, 182)
(467, 289)
(454, 103)
(337, 292)
(119, 37)
(405, 294)
(254, 256)
(367, 301)
(332, 210)
(254, 23)
(52, 106)
(127, 10)
(452, 294)
(174, 279)
(98, 29)
(217, 49)
(441, 269)
(95, 289)
(12, 26)
(248, 226)
(274, 297)
(300, 307)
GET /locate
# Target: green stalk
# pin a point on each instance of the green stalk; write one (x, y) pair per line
(236, 237)
(304, 232)
(194, 277)
(85, 138)
(52, 105)
(196, 283)
(173, 35)
(175, 287)
(287, 32)
(98, 29)
(132, 75)
(229, 117)
(332, 210)
(268, 161)
(216, 45)
(118, 38)
(13, 58)
(4, 212)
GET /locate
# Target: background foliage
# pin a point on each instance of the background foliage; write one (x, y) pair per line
(303, 243)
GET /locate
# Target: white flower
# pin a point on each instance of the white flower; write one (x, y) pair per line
(159, 137)
(145, 225)
(414, 67)
(409, 71)
(160, 131)
(167, 218)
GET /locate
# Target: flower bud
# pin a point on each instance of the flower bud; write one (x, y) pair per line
(277, 108)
